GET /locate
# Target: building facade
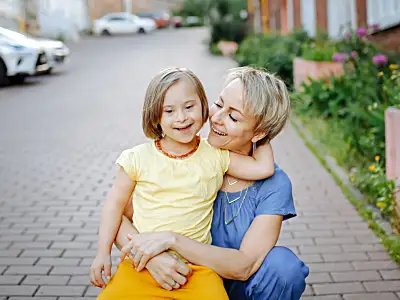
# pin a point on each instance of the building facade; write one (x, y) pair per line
(331, 16)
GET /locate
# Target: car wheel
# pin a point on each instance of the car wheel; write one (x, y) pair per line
(4, 80)
(105, 32)
(17, 79)
(142, 31)
(48, 72)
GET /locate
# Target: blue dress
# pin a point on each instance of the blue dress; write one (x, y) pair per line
(282, 275)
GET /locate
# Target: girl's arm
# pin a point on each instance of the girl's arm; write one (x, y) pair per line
(110, 221)
(113, 209)
(258, 241)
(256, 167)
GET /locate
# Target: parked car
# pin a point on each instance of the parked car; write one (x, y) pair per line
(19, 60)
(122, 23)
(56, 51)
(176, 21)
(162, 20)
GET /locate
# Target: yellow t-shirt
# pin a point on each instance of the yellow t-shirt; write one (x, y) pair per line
(175, 194)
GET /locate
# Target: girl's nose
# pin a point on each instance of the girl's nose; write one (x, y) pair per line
(181, 117)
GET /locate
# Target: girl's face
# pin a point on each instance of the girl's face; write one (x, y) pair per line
(181, 117)
(231, 128)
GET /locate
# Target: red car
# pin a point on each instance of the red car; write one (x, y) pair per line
(161, 21)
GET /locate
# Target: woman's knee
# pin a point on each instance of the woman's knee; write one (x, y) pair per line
(283, 264)
(281, 276)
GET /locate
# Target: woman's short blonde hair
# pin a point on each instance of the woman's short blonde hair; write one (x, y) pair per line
(155, 95)
(265, 97)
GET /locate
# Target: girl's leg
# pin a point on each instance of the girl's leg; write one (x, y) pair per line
(203, 284)
(128, 284)
(281, 276)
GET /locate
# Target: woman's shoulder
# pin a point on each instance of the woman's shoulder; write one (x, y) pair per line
(279, 182)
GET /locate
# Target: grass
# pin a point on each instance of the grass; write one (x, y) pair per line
(332, 142)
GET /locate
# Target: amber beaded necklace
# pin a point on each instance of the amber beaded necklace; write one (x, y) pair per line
(159, 147)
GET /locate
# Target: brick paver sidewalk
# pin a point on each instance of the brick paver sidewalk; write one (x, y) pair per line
(345, 258)
(56, 163)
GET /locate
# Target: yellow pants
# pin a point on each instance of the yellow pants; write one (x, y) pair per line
(128, 284)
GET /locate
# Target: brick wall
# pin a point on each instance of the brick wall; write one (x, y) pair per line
(156, 5)
(100, 8)
(389, 38)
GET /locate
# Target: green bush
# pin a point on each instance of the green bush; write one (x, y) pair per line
(225, 21)
(272, 52)
(316, 52)
(358, 100)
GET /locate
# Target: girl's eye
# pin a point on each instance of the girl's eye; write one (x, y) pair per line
(218, 105)
(189, 106)
(232, 118)
(168, 111)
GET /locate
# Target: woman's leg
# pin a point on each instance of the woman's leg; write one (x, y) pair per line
(281, 276)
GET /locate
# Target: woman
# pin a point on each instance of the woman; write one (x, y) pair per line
(247, 215)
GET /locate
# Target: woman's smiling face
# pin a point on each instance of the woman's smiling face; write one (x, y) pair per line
(231, 127)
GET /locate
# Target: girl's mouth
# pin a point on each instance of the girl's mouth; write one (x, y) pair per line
(184, 128)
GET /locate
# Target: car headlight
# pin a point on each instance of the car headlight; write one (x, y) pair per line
(14, 46)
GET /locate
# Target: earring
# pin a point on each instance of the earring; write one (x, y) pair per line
(254, 147)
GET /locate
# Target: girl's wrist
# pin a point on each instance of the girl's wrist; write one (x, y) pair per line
(173, 240)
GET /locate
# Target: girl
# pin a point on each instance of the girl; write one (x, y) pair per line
(174, 180)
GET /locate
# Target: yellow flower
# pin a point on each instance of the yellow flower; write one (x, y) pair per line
(393, 67)
(381, 204)
(377, 158)
(380, 74)
(352, 179)
(371, 168)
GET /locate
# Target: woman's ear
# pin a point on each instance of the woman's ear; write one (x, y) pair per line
(258, 137)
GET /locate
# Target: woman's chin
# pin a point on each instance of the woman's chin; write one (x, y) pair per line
(216, 140)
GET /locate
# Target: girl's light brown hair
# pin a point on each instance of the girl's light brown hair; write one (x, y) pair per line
(155, 95)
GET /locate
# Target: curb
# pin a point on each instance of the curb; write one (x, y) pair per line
(340, 174)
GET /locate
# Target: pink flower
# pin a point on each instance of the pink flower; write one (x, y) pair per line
(353, 54)
(347, 36)
(380, 59)
(339, 57)
(374, 27)
(362, 31)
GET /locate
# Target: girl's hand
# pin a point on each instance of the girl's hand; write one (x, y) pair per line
(101, 263)
(145, 246)
(168, 271)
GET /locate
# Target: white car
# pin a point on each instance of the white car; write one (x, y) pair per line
(19, 60)
(122, 23)
(56, 52)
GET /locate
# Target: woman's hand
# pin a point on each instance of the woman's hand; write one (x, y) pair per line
(168, 271)
(145, 246)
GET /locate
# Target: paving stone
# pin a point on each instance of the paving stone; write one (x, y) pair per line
(375, 265)
(355, 276)
(92, 291)
(10, 279)
(59, 261)
(61, 291)
(382, 286)
(318, 278)
(330, 267)
(391, 274)
(42, 253)
(348, 257)
(17, 290)
(380, 296)
(329, 297)
(45, 280)
(28, 270)
(335, 288)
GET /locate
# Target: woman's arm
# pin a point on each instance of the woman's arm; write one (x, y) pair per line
(256, 167)
(260, 238)
(167, 270)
